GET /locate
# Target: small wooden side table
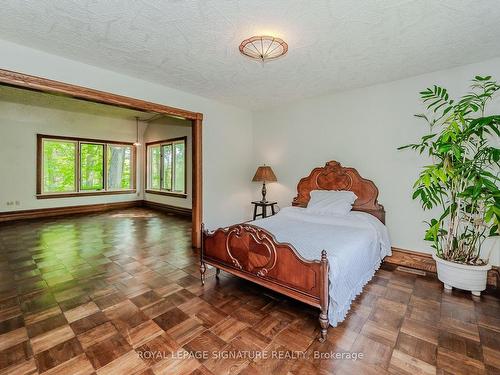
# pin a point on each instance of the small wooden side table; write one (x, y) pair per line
(263, 206)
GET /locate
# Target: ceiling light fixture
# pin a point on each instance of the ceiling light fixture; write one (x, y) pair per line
(263, 47)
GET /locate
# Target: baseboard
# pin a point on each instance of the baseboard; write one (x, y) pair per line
(69, 210)
(411, 259)
(89, 208)
(168, 208)
(424, 262)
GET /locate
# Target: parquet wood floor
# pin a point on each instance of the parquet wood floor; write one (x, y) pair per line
(119, 293)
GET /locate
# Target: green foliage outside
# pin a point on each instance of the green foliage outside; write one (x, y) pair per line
(172, 158)
(155, 157)
(179, 167)
(463, 179)
(167, 167)
(59, 166)
(59, 174)
(119, 167)
(91, 166)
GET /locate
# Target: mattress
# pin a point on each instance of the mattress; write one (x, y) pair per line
(356, 244)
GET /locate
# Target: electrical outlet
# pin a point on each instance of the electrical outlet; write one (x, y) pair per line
(18, 203)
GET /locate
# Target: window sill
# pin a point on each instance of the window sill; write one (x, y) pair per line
(83, 194)
(167, 193)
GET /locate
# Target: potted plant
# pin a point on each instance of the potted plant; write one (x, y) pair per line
(461, 183)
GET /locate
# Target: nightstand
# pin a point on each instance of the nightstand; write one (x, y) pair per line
(263, 209)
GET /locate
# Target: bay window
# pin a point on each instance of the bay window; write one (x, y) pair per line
(77, 166)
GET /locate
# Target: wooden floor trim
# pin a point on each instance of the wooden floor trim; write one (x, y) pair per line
(411, 259)
(40, 213)
(168, 208)
(424, 262)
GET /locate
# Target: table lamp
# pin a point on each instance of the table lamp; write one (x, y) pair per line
(264, 173)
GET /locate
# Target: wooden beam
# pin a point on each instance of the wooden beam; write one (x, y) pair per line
(26, 81)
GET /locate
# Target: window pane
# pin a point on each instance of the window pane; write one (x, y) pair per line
(167, 167)
(119, 167)
(180, 163)
(154, 167)
(91, 166)
(59, 169)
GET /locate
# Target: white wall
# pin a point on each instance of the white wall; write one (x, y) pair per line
(168, 128)
(26, 114)
(360, 128)
(227, 130)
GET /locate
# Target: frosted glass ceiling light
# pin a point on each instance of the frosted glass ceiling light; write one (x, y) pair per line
(263, 47)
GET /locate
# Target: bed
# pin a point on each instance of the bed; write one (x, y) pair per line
(323, 261)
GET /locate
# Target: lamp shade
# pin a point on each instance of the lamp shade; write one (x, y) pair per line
(264, 173)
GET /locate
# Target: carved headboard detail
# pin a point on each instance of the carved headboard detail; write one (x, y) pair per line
(334, 176)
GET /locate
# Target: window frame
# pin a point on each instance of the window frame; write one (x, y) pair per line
(40, 194)
(147, 168)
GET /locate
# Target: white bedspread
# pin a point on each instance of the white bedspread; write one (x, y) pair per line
(356, 244)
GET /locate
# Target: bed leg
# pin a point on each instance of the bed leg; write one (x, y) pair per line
(203, 268)
(324, 323)
(217, 273)
(324, 297)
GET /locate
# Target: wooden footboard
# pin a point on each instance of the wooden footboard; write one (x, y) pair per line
(254, 254)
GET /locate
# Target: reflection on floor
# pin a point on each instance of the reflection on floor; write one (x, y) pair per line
(119, 293)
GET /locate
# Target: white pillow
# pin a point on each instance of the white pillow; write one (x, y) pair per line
(331, 202)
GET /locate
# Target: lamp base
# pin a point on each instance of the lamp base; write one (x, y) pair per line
(264, 192)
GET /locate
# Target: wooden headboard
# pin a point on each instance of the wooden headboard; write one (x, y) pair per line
(334, 176)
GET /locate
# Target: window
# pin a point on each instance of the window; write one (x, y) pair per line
(91, 166)
(179, 167)
(166, 167)
(76, 166)
(59, 167)
(119, 165)
(154, 167)
(166, 181)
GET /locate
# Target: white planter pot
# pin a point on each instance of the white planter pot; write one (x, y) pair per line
(462, 276)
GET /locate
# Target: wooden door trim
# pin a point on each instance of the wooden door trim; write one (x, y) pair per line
(197, 180)
(29, 82)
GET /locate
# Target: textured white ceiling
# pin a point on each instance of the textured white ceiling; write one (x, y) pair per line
(193, 45)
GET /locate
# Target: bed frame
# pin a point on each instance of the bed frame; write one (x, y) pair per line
(253, 253)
